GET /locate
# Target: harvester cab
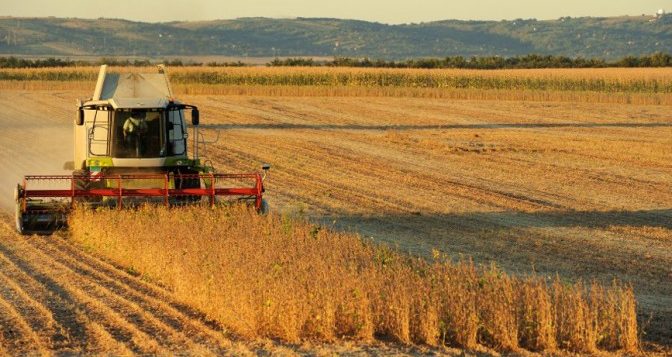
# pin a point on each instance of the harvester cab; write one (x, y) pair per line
(133, 121)
(131, 145)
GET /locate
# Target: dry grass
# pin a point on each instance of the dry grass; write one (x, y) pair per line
(358, 92)
(625, 77)
(274, 276)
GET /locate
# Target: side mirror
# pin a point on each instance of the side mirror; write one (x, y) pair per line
(195, 117)
(79, 119)
(265, 167)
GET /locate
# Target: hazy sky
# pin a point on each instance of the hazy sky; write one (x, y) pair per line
(387, 11)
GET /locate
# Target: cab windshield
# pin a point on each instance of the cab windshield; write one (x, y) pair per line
(138, 134)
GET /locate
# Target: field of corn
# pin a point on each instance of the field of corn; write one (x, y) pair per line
(613, 85)
(567, 191)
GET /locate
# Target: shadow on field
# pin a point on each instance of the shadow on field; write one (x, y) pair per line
(290, 126)
(661, 218)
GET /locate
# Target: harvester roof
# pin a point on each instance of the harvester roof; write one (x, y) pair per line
(132, 90)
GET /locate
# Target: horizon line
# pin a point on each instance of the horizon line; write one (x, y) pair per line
(327, 18)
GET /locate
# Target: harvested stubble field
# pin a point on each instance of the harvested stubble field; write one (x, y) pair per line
(556, 184)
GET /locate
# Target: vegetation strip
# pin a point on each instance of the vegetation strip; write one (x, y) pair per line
(612, 81)
(274, 276)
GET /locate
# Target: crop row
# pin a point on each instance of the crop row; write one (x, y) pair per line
(277, 277)
(606, 81)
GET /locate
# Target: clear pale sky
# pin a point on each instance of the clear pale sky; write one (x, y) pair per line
(387, 11)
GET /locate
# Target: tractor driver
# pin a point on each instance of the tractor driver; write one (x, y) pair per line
(134, 128)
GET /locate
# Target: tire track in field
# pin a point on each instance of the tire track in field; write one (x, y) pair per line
(136, 294)
(370, 183)
(38, 318)
(15, 332)
(108, 305)
(54, 297)
(70, 308)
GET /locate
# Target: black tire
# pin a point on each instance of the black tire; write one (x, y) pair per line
(265, 208)
(18, 216)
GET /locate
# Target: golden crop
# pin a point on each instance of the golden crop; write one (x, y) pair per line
(274, 276)
(611, 85)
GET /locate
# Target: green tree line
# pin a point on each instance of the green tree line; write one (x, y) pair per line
(487, 62)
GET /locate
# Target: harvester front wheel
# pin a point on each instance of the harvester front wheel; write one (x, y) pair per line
(18, 214)
(264, 207)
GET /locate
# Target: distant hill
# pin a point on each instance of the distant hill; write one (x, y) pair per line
(606, 38)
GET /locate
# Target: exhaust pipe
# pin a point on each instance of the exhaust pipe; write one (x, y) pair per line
(101, 81)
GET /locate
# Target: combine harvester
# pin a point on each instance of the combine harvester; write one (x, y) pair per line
(130, 144)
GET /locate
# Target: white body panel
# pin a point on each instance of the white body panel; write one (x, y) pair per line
(82, 140)
(151, 162)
